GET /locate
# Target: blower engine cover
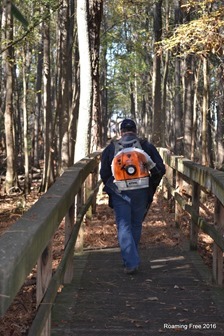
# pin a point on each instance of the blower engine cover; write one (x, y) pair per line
(130, 163)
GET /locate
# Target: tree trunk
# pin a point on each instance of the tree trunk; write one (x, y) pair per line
(72, 80)
(11, 175)
(188, 106)
(194, 139)
(48, 176)
(147, 116)
(104, 88)
(165, 78)
(204, 131)
(133, 101)
(63, 78)
(37, 146)
(85, 106)
(25, 124)
(74, 109)
(178, 112)
(95, 13)
(220, 120)
(156, 92)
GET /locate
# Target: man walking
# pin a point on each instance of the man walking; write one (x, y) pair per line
(131, 170)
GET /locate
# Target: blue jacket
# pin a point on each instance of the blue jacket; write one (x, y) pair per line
(156, 173)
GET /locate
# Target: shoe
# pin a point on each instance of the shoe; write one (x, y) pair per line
(132, 270)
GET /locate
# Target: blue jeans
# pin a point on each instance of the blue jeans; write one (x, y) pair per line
(129, 213)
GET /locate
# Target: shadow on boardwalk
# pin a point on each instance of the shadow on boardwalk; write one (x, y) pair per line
(171, 295)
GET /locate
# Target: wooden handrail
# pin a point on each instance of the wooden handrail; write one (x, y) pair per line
(22, 245)
(199, 177)
(210, 179)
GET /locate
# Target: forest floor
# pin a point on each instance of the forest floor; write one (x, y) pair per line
(159, 228)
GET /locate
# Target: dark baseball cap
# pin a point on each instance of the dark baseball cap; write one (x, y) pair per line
(128, 124)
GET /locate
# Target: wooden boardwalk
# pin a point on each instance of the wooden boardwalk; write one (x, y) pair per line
(171, 295)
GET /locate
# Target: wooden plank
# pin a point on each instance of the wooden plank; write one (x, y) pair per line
(182, 202)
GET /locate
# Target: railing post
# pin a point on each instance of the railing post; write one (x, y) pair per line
(217, 252)
(88, 188)
(69, 225)
(95, 180)
(195, 206)
(79, 204)
(168, 187)
(178, 208)
(168, 183)
(44, 274)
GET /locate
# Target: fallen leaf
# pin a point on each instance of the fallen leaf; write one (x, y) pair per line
(151, 298)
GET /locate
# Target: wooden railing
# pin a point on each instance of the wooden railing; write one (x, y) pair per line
(29, 241)
(198, 180)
